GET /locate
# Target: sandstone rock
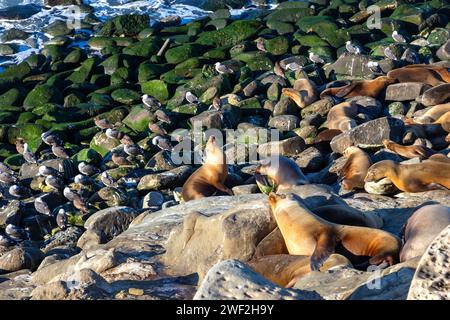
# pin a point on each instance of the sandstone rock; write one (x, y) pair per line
(405, 91)
(233, 280)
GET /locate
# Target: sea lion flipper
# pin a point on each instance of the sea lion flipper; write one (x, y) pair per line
(436, 186)
(325, 247)
(223, 188)
(342, 92)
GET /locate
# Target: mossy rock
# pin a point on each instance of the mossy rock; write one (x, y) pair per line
(87, 155)
(6, 150)
(173, 77)
(195, 28)
(217, 54)
(29, 132)
(144, 48)
(181, 53)
(255, 60)
(75, 56)
(43, 109)
(26, 117)
(232, 34)
(41, 95)
(125, 25)
(138, 118)
(99, 43)
(409, 13)
(277, 46)
(111, 64)
(10, 97)
(54, 52)
(35, 60)
(148, 71)
(289, 14)
(439, 36)
(101, 99)
(388, 25)
(280, 27)
(102, 144)
(7, 117)
(121, 76)
(19, 71)
(157, 89)
(188, 109)
(310, 40)
(84, 72)
(15, 161)
(126, 96)
(325, 28)
(147, 32)
(123, 41)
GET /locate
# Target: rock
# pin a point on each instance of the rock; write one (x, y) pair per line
(19, 12)
(102, 144)
(110, 222)
(343, 283)
(53, 291)
(443, 52)
(201, 241)
(384, 186)
(125, 25)
(13, 34)
(58, 28)
(350, 65)
(52, 3)
(232, 34)
(42, 95)
(431, 280)
(90, 239)
(276, 46)
(284, 122)
(369, 134)
(210, 119)
(11, 213)
(226, 280)
(321, 107)
(310, 160)
(405, 91)
(64, 239)
(20, 258)
(153, 199)
(245, 189)
(181, 53)
(287, 147)
(436, 95)
(157, 89)
(164, 180)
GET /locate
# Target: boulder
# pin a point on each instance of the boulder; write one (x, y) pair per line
(405, 91)
(164, 180)
(20, 258)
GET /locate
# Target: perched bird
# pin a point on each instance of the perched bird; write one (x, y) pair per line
(221, 68)
(162, 116)
(5, 168)
(374, 67)
(133, 149)
(5, 241)
(60, 152)
(102, 123)
(19, 191)
(278, 70)
(162, 143)
(294, 66)
(87, 169)
(107, 179)
(114, 134)
(61, 219)
(120, 159)
(20, 145)
(50, 139)
(80, 204)
(260, 44)
(28, 155)
(69, 194)
(389, 54)
(410, 56)
(191, 98)
(126, 140)
(351, 48)
(150, 102)
(16, 233)
(8, 178)
(157, 128)
(83, 180)
(48, 171)
(41, 206)
(315, 58)
(398, 37)
(54, 182)
(216, 104)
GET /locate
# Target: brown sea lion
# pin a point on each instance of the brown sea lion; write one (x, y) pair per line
(439, 157)
(444, 121)
(417, 74)
(442, 71)
(355, 168)
(421, 228)
(307, 234)
(282, 171)
(210, 177)
(341, 116)
(413, 132)
(303, 93)
(409, 152)
(433, 113)
(368, 88)
(284, 270)
(418, 177)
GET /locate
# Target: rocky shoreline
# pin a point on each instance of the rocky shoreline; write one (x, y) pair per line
(110, 228)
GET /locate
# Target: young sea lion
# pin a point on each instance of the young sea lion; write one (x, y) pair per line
(412, 151)
(421, 228)
(418, 177)
(355, 168)
(283, 172)
(284, 270)
(307, 234)
(210, 177)
(341, 116)
(368, 88)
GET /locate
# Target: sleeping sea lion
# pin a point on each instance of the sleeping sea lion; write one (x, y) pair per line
(368, 88)
(409, 152)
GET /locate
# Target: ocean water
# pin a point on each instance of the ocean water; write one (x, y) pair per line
(103, 9)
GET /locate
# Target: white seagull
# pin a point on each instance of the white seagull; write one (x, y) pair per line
(221, 68)
(398, 37)
(315, 58)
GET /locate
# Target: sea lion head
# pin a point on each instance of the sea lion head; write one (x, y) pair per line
(213, 152)
(387, 143)
(350, 150)
(378, 171)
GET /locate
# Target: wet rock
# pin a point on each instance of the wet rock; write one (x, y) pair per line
(405, 91)
(13, 34)
(52, 3)
(368, 134)
(226, 280)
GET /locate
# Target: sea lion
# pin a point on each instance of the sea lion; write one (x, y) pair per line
(368, 88)
(284, 270)
(416, 74)
(210, 177)
(440, 70)
(355, 168)
(282, 171)
(444, 121)
(341, 116)
(409, 152)
(274, 243)
(418, 177)
(421, 228)
(307, 234)
(439, 157)
(433, 113)
(303, 93)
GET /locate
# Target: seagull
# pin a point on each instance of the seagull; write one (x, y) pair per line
(294, 66)
(374, 67)
(215, 104)
(87, 169)
(41, 206)
(28, 155)
(410, 56)
(50, 139)
(16, 233)
(120, 159)
(20, 145)
(8, 178)
(157, 128)
(48, 171)
(107, 179)
(5, 168)
(59, 152)
(191, 98)
(351, 48)
(162, 116)
(83, 180)
(54, 182)
(114, 133)
(19, 191)
(150, 102)
(278, 70)
(133, 149)
(162, 143)
(102, 123)
(61, 219)
(260, 44)
(398, 37)
(389, 54)
(315, 58)
(69, 194)
(80, 204)
(221, 68)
